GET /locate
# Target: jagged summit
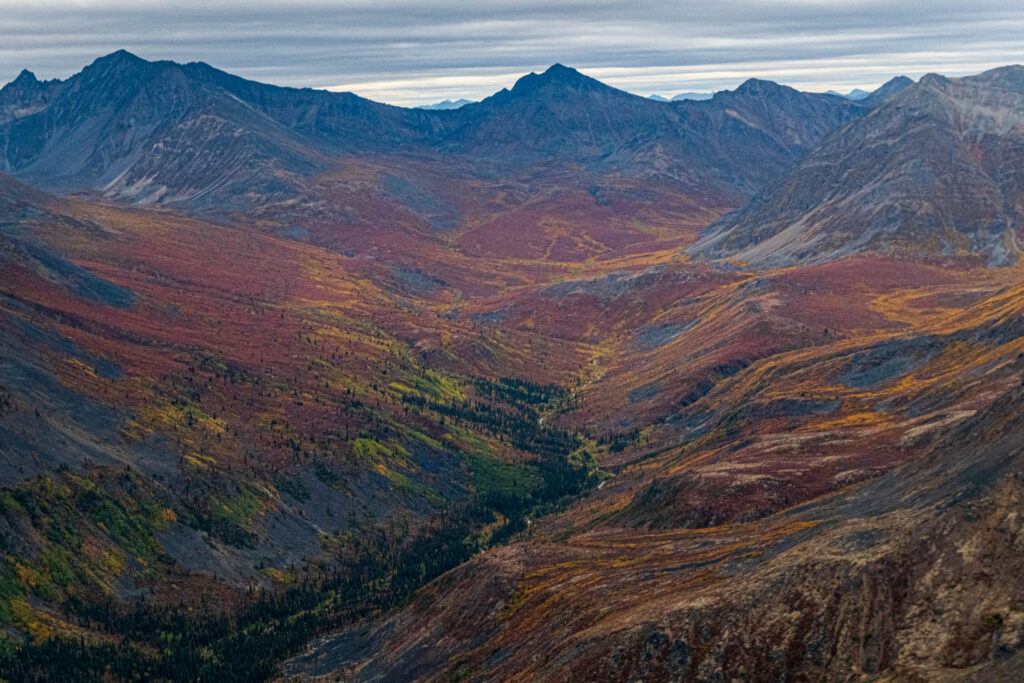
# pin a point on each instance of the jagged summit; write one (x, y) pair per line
(25, 95)
(26, 77)
(26, 81)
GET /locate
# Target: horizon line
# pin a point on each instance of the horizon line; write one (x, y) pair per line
(473, 86)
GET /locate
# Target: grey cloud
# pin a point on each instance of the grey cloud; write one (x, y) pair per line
(409, 52)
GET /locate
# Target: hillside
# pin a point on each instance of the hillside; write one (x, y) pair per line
(847, 507)
(190, 407)
(930, 173)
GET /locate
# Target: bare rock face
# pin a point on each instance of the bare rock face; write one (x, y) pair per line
(929, 173)
(25, 95)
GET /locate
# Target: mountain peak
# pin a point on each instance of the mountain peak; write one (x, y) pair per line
(558, 70)
(557, 75)
(891, 87)
(120, 59)
(757, 86)
(115, 67)
(26, 77)
(123, 55)
(898, 81)
(933, 79)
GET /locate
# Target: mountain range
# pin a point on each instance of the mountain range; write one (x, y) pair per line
(683, 96)
(447, 104)
(565, 384)
(211, 137)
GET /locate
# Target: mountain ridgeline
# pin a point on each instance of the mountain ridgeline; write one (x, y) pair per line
(932, 172)
(189, 135)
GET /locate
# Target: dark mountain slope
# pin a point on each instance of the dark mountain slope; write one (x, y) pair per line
(186, 134)
(762, 128)
(25, 95)
(336, 121)
(148, 132)
(196, 137)
(736, 141)
(933, 172)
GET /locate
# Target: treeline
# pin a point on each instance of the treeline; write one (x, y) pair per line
(521, 427)
(151, 642)
(521, 392)
(170, 643)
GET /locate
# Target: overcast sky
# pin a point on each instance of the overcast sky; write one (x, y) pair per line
(414, 52)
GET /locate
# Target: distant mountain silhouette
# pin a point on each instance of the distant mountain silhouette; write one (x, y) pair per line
(193, 136)
(693, 96)
(446, 104)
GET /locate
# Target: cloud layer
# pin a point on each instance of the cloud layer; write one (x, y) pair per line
(408, 52)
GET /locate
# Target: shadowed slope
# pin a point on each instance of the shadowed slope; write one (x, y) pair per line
(197, 138)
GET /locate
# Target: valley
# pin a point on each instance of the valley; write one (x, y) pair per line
(566, 384)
